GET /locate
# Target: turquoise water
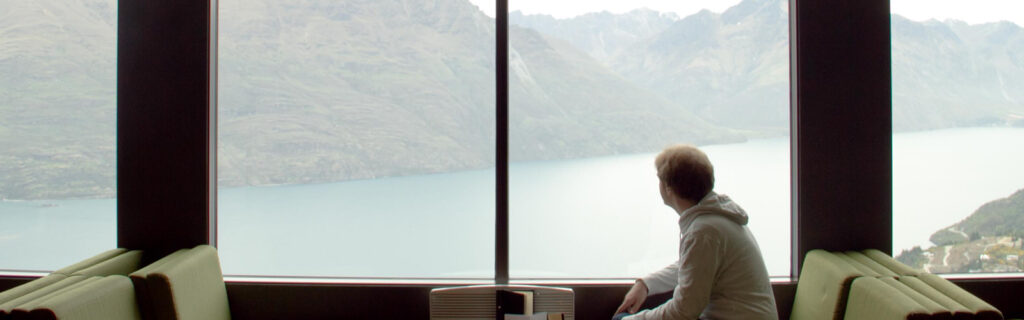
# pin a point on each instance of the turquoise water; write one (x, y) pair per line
(47, 235)
(941, 177)
(585, 218)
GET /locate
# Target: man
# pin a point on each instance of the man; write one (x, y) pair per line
(720, 273)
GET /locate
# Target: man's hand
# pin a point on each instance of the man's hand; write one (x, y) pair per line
(634, 298)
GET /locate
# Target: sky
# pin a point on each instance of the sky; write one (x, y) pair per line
(971, 11)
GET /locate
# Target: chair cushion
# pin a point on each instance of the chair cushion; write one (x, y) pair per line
(22, 310)
(29, 287)
(7, 307)
(934, 308)
(980, 308)
(953, 306)
(106, 298)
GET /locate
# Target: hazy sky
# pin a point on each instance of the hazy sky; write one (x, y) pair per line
(971, 11)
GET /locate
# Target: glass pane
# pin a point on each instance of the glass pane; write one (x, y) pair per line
(597, 91)
(57, 132)
(356, 139)
(958, 141)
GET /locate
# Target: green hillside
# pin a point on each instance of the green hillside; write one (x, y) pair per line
(1002, 217)
(989, 240)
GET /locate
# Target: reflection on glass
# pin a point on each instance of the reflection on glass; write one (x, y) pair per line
(356, 139)
(595, 95)
(57, 137)
(958, 113)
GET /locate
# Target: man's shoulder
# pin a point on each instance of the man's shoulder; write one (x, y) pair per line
(711, 220)
(712, 225)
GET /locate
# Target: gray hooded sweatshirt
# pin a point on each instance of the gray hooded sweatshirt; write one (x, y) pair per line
(720, 273)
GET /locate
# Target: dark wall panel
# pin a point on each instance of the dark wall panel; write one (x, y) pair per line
(11, 282)
(841, 125)
(162, 124)
(310, 301)
(1007, 295)
(257, 301)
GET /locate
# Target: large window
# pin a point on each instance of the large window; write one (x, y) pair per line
(57, 118)
(356, 139)
(358, 136)
(595, 92)
(958, 136)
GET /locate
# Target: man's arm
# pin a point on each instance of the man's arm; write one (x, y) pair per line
(634, 298)
(698, 262)
(664, 280)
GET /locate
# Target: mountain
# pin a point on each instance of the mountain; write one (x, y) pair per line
(564, 104)
(57, 99)
(732, 69)
(601, 35)
(950, 74)
(319, 91)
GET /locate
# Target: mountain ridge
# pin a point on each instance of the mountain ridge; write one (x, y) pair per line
(687, 62)
(321, 91)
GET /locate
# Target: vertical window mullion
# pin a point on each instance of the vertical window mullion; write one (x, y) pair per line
(501, 160)
(212, 128)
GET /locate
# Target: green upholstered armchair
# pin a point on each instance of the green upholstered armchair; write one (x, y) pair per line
(94, 298)
(78, 291)
(870, 284)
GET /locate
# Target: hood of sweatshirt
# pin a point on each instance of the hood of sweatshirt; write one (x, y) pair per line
(713, 203)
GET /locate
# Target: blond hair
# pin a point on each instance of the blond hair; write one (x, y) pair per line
(686, 170)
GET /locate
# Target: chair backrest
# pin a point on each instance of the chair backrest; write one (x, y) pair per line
(91, 261)
(890, 263)
(877, 268)
(823, 287)
(142, 292)
(184, 285)
(122, 264)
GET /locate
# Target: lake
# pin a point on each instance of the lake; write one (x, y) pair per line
(584, 218)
